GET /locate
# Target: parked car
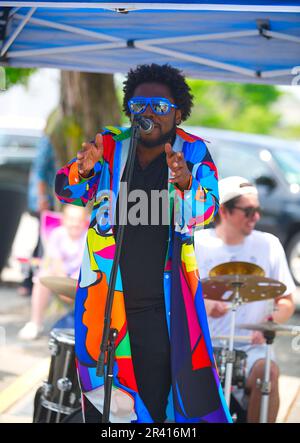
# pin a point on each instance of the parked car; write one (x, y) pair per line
(17, 150)
(274, 166)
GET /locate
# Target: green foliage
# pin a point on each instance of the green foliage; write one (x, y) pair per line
(292, 132)
(234, 106)
(15, 76)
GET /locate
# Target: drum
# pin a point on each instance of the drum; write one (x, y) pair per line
(239, 360)
(60, 395)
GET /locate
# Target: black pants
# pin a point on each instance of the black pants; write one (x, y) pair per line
(150, 350)
(38, 252)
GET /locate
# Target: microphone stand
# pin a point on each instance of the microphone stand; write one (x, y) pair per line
(109, 335)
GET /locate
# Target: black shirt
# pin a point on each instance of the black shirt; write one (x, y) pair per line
(145, 246)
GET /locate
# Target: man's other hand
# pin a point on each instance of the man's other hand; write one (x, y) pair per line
(91, 153)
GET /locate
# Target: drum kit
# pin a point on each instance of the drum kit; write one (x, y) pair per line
(235, 283)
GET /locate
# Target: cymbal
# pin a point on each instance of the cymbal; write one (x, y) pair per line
(270, 326)
(236, 267)
(60, 285)
(251, 288)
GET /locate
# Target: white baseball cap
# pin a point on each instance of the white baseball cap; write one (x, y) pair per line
(232, 187)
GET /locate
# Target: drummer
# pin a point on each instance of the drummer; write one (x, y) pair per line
(235, 239)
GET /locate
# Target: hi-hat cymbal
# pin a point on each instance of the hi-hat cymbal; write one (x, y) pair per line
(270, 326)
(237, 267)
(60, 285)
(251, 288)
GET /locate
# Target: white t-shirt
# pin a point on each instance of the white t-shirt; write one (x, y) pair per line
(260, 248)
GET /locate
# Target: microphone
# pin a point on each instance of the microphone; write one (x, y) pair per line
(146, 124)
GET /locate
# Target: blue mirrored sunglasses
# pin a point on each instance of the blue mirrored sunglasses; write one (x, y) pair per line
(159, 105)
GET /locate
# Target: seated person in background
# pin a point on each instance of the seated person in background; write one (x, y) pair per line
(234, 239)
(62, 258)
(40, 198)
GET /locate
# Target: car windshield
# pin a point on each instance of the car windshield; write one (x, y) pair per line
(18, 141)
(289, 162)
(4, 139)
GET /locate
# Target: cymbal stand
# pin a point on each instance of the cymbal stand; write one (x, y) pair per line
(266, 384)
(230, 358)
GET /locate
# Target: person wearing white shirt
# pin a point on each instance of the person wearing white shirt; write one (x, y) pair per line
(235, 239)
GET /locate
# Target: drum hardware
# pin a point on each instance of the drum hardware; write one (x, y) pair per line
(269, 330)
(263, 386)
(61, 386)
(54, 407)
(237, 301)
(47, 389)
(230, 356)
(238, 358)
(222, 365)
(237, 338)
(72, 398)
(52, 346)
(60, 394)
(64, 384)
(238, 283)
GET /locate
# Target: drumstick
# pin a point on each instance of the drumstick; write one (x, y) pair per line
(245, 338)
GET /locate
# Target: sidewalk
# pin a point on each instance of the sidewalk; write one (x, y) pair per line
(23, 365)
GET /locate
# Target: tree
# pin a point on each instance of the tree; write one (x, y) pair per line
(88, 102)
(14, 76)
(234, 106)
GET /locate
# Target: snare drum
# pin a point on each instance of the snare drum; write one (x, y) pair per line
(60, 394)
(239, 360)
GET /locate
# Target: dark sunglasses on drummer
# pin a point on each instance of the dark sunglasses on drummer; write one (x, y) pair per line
(249, 211)
(159, 105)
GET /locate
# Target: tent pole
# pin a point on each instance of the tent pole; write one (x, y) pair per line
(277, 73)
(203, 37)
(67, 49)
(281, 36)
(72, 29)
(195, 59)
(17, 31)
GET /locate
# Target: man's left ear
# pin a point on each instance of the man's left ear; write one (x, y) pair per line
(178, 117)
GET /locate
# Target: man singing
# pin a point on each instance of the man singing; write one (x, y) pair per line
(164, 366)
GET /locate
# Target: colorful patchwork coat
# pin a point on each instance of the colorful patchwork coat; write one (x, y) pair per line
(196, 395)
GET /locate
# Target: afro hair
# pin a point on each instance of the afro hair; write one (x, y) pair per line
(163, 74)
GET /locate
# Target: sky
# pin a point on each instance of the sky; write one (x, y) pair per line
(29, 107)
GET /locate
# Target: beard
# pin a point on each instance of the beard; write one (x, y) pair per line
(162, 139)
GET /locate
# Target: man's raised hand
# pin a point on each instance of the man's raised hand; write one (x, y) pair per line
(179, 170)
(90, 154)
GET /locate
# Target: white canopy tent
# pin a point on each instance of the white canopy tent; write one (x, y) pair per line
(236, 41)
